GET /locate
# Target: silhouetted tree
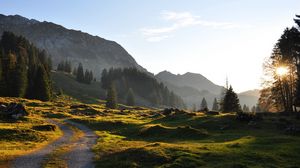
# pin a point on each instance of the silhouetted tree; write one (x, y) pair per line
(80, 74)
(215, 106)
(203, 106)
(231, 101)
(111, 98)
(246, 108)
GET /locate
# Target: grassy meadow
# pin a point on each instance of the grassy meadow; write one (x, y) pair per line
(142, 137)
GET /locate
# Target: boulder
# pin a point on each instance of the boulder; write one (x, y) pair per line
(13, 110)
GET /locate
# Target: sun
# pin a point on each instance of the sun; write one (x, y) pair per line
(282, 71)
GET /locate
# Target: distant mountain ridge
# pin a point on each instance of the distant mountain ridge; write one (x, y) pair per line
(189, 79)
(95, 53)
(192, 87)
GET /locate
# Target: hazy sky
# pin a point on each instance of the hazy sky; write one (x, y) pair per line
(214, 38)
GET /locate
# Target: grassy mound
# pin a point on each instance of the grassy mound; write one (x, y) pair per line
(9, 134)
(135, 157)
(182, 132)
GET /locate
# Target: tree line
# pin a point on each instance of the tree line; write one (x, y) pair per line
(281, 88)
(82, 76)
(130, 82)
(228, 103)
(24, 69)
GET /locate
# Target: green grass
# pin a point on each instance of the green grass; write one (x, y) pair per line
(141, 137)
(207, 141)
(21, 137)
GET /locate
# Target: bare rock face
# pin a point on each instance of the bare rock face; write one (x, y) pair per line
(95, 53)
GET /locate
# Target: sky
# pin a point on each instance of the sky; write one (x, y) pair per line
(216, 38)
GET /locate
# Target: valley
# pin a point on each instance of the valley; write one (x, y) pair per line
(142, 137)
(70, 97)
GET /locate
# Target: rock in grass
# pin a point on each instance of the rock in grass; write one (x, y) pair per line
(13, 110)
(47, 127)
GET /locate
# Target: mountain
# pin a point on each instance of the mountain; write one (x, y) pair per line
(249, 97)
(189, 79)
(193, 87)
(95, 53)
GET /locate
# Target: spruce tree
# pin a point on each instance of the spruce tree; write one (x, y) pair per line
(42, 85)
(86, 77)
(111, 98)
(20, 78)
(203, 106)
(231, 101)
(130, 98)
(80, 74)
(215, 106)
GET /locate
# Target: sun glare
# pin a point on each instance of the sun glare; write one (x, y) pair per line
(282, 71)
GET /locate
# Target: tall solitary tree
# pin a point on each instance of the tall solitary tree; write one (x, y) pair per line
(111, 98)
(80, 73)
(231, 101)
(203, 105)
(215, 106)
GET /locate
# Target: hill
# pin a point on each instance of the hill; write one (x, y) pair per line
(95, 53)
(142, 137)
(86, 93)
(193, 87)
(189, 79)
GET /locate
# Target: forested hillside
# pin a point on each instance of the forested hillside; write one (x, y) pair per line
(142, 85)
(24, 69)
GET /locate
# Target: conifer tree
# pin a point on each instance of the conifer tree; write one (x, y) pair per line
(231, 101)
(215, 106)
(20, 78)
(42, 85)
(111, 98)
(203, 106)
(80, 74)
(130, 98)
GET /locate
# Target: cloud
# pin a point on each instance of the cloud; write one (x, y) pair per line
(156, 38)
(180, 20)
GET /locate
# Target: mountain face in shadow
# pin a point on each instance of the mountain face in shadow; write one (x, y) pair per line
(189, 79)
(193, 87)
(95, 53)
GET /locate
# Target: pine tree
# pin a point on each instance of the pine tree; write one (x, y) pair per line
(215, 106)
(231, 101)
(10, 67)
(111, 99)
(80, 74)
(42, 85)
(203, 106)
(130, 98)
(86, 76)
(20, 78)
(244, 108)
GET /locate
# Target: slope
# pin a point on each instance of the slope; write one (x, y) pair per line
(95, 53)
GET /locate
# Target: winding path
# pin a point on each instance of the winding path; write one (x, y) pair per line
(80, 156)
